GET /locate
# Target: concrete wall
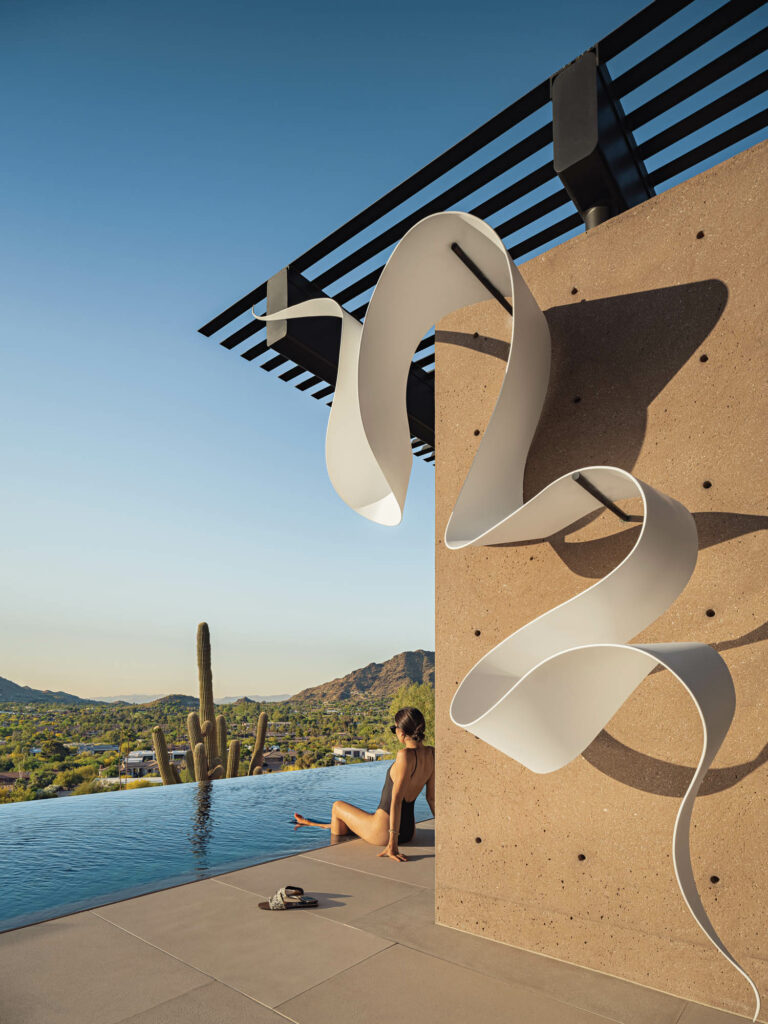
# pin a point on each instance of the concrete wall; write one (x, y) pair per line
(658, 322)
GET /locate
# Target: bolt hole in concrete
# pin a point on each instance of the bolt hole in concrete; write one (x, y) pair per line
(574, 291)
(714, 879)
(477, 433)
(478, 839)
(710, 613)
(703, 359)
(699, 234)
(477, 632)
(582, 856)
(707, 484)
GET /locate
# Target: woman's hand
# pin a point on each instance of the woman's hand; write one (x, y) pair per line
(393, 852)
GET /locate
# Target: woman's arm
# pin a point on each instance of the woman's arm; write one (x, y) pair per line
(431, 787)
(397, 771)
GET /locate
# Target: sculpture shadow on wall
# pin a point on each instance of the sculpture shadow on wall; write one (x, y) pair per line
(607, 368)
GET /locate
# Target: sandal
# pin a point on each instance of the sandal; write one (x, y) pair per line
(290, 897)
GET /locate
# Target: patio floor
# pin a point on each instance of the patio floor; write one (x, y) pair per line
(205, 954)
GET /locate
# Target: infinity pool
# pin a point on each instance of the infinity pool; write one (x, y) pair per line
(68, 854)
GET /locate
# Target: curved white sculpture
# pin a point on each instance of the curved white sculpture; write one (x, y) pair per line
(545, 692)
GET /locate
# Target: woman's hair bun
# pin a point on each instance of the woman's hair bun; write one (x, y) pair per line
(411, 721)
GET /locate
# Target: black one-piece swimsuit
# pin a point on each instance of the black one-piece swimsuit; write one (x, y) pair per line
(407, 819)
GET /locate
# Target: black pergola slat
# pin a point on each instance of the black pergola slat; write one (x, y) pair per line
(639, 25)
(722, 105)
(324, 392)
(739, 131)
(554, 231)
(295, 371)
(229, 314)
(700, 79)
(257, 350)
(721, 19)
(273, 363)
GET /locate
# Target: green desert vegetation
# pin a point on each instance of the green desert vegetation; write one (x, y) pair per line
(39, 740)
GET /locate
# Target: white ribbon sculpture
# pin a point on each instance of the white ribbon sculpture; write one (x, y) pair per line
(544, 693)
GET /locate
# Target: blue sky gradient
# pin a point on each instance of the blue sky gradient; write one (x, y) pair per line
(161, 159)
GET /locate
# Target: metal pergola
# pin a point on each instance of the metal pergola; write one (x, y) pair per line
(588, 166)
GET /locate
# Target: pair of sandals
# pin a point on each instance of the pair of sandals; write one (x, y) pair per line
(290, 897)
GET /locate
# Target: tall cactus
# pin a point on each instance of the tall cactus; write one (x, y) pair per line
(216, 773)
(257, 757)
(209, 738)
(161, 755)
(189, 757)
(221, 739)
(233, 761)
(207, 710)
(176, 773)
(201, 763)
(194, 730)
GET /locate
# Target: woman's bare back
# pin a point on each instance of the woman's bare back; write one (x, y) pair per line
(420, 765)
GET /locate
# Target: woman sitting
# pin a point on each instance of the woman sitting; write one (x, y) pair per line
(393, 820)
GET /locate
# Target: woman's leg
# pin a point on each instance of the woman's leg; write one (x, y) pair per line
(373, 828)
(345, 818)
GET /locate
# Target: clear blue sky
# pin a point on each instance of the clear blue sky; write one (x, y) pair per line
(161, 159)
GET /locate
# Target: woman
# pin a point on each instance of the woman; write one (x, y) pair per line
(392, 822)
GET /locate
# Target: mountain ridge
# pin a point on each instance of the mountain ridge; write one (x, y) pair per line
(14, 693)
(377, 679)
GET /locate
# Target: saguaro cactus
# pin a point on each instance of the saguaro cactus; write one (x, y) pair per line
(189, 757)
(209, 738)
(201, 763)
(207, 710)
(194, 730)
(221, 739)
(217, 772)
(161, 755)
(257, 757)
(233, 761)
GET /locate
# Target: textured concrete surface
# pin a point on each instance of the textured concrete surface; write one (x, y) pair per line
(658, 322)
(370, 951)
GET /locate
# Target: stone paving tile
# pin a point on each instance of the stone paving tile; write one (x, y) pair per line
(219, 929)
(411, 922)
(404, 985)
(419, 869)
(212, 1004)
(342, 894)
(83, 970)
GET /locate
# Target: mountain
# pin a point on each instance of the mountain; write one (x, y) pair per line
(132, 698)
(150, 698)
(13, 693)
(253, 698)
(174, 702)
(379, 679)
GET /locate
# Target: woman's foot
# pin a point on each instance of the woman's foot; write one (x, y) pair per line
(301, 820)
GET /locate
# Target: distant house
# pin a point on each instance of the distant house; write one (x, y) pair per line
(349, 752)
(9, 779)
(375, 755)
(273, 762)
(138, 763)
(97, 748)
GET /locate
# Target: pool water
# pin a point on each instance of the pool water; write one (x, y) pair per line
(68, 854)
